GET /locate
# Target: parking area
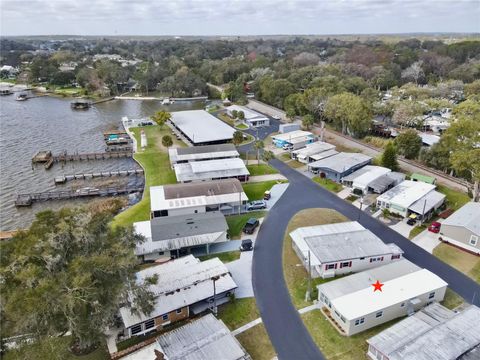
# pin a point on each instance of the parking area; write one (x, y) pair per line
(427, 240)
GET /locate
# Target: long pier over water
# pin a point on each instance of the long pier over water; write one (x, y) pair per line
(49, 159)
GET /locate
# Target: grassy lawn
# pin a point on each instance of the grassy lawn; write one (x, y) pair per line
(351, 198)
(452, 299)
(227, 119)
(238, 312)
(417, 230)
(154, 159)
(467, 263)
(248, 140)
(261, 169)
(294, 272)
(295, 164)
(335, 346)
(241, 127)
(225, 257)
(255, 191)
(55, 349)
(455, 199)
(328, 184)
(285, 157)
(237, 222)
(257, 343)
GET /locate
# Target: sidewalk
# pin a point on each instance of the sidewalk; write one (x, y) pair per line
(269, 177)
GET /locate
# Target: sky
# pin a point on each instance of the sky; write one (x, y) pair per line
(236, 17)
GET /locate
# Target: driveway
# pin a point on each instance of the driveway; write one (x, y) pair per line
(276, 191)
(285, 328)
(241, 271)
(402, 228)
(427, 240)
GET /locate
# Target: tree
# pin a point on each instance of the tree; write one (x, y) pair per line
(389, 157)
(241, 115)
(167, 141)
(234, 114)
(161, 117)
(237, 138)
(413, 72)
(267, 156)
(59, 276)
(407, 113)
(258, 145)
(307, 121)
(409, 143)
(350, 113)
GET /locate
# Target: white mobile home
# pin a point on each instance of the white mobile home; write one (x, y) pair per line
(434, 332)
(305, 155)
(339, 165)
(183, 287)
(341, 248)
(411, 197)
(352, 305)
(371, 178)
(252, 118)
(202, 153)
(212, 170)
(462, 228)
(294, 139)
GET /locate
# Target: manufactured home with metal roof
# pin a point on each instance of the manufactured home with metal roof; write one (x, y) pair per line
(252, 117)
(339, 165)
(201, 153)
(296, 139)
(462, 228)
(183, 287)
(352, 305)
(212, 170)
(341, 248)
(434, 332)
(305, 155)
(372, 178)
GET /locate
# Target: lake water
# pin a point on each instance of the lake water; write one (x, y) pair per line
(48, 123)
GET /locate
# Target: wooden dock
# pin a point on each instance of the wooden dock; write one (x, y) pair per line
(63, 179)
(49, 159)
(29, 199)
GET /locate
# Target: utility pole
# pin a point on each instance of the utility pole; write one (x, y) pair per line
(361, 203)
(309, 288)
(423, 212)
(214, 279)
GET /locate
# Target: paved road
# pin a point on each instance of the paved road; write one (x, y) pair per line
(289, 336)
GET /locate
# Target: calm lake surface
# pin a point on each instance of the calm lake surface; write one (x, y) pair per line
(48, 123)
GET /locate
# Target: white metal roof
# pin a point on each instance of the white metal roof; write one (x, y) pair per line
(290, 136)
(181, 282)
(205, 152)
(432, 333)
(203, 339)
(207, 193)
(406, 193)
(249, 113)
(210, 169)
(467, 216)
(340, 162)
(313, 148)
(429, 139)
(340, 241)
(366, 175)
(323, 155)
(427, 202)
(201, 127)
(394, 291)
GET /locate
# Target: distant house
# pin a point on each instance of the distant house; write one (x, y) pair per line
(201, 153)
(434, 332)
(204, 339)
(339, 165)
(201, 128)
(423, 178)
(372, 179)
(352, 306)
(412, 198)
(211, 170)
(294, 139)
(174, 236)
(252, 118)
(341, 248)
(429, 139)
(462, 228)
(286, 128)
(9, 71)
(307, 154)
(198, 197)
(183, 287)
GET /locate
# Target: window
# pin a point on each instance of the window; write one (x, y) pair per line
(342, 318)
(346, 264)
(165, 317)
(136, 329)
(473, 240)
(402, 305)
(395, 257)
(376, 259)
(179, 311)
(379, 314)
(161, 253)
(330, 266)
(359, 321)
(149, 324)
(431, 295)
(362, 258)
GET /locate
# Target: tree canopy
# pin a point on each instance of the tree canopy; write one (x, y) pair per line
(409, 143)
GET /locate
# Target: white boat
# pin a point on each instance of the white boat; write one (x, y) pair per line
(167, 101)
(21, 97)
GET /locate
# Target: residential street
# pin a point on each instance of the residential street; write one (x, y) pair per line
(283, 323)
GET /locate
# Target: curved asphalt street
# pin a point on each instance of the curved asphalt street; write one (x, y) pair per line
(285, 328)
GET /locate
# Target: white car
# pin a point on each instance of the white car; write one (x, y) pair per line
(276, 117)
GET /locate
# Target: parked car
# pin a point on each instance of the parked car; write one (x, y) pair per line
(287, 147)
(435, 227)
(267, 195)
(247, 245)
(251, 225)
(257, 205)
(411, 221)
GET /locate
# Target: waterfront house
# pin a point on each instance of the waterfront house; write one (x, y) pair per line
(252, 118)
(202, 153)
(211, 170)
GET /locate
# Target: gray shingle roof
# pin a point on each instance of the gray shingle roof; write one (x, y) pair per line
(467, 216)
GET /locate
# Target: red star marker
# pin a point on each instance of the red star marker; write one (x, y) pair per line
(377, 286)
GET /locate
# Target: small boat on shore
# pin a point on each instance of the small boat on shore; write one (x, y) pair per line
(167, 101)
(4, 92)
(21, 97)
(80, 105)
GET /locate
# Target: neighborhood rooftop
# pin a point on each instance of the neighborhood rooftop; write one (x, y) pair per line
(340, 162)
(434, 332)
(314, 148)
(194, 194)
(202, 339)
(211, 169)
(201, 127)
(340, 241)
(467, 216)
(407, 193)
(249, 113)
(364, 176)
(195, 153)
(180, 283)
(290, 136)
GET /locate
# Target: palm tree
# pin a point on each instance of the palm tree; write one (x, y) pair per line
(259, 145)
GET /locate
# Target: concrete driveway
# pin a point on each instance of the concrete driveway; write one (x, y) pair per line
(402, 228)
(276, 191)
(427, 240)
(241, 271)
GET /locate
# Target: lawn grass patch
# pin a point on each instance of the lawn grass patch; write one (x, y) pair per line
(155, 162)
(328, 184)
(257, 343)
(241, 127)
(463, 261)
(455, 199)
(295, 164)
(295, 274)
(225, 257)
(238, 312)
(416, 230)
(351, 198)
(255, 190)
(452, 299)
(261, 169)
(237, 222)
(285, 157)
(226, 119)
